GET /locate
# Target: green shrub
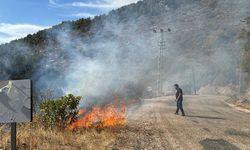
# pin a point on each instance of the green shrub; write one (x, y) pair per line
(60, 112)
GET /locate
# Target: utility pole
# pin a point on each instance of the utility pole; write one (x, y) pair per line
(194, 82)
(240, 74)
(160, 60)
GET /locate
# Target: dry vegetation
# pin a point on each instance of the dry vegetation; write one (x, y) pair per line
(140, 135)
(42, 135)
(244, 103)
(35, 136)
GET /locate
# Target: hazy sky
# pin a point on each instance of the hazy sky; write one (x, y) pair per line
(21, 17)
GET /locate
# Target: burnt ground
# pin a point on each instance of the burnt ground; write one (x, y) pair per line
(209, 124)
(138, 136)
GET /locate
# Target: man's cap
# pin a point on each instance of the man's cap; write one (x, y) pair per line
(176, 85)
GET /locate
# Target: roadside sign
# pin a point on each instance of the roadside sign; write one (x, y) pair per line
(15, 101)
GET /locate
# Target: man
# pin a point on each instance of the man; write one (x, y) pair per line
(179, 99)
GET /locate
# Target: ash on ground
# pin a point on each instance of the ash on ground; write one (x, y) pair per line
(141, 135)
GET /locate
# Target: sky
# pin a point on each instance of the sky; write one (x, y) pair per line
(21, 17)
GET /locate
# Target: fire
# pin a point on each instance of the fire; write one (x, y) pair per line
(101, 117)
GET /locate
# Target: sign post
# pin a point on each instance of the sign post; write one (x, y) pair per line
(15, 104)
(13, 136)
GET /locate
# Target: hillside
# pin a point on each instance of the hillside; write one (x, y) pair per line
(117, 53)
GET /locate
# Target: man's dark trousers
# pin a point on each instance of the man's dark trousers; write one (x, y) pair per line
(179, 106)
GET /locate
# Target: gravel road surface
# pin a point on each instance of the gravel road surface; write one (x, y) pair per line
(209, 124)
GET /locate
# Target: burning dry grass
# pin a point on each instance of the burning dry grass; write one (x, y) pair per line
(34, 136)
(132, 135)
(92, 130)
(111, 115)
(98, 128)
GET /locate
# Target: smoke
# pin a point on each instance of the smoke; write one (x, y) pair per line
(119, 60)
(119, 57)
(206, 39)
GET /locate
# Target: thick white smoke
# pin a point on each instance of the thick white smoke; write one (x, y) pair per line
(118, 55)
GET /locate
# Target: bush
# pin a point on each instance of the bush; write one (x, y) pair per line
(60, 112)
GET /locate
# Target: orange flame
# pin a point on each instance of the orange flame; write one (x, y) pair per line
(101, 117)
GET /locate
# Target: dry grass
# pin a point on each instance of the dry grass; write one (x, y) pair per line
(235, 101)
(34, 136)
(245, 106)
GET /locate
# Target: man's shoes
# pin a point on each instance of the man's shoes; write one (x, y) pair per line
(183, 115)
(176, 113)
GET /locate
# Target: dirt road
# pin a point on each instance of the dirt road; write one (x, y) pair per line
(209, 124)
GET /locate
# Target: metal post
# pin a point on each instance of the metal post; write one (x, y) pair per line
(13, 136)
(194, 83)
(240, 75)
(161, 60)
(159, 74)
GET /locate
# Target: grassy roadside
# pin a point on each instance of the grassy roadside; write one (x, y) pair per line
(241, 103)
(139, 135)
(35, 136)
